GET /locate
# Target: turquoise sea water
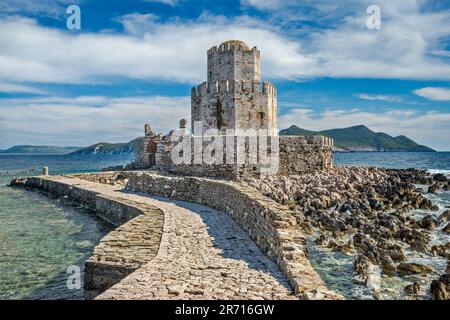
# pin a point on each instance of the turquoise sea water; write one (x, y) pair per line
(40, 237)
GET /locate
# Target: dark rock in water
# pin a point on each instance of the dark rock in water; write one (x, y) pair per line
(446, 229)
(387, 264)
(412, 289)
(333, 224)
(321, 240)
(440, 177)
(428, 222)
(434, 188)
(332, 244)
(412, 268)
(394, 250)
(440, 289)
(415, 238)
(442, 250)
(365, 245)
(444, 217)
(389, 221)
(427, 204)
(419, 190)
(361, 265)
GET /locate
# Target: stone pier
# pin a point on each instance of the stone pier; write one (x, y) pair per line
(218, 240)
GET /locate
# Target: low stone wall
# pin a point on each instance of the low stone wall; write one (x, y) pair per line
(297, 154)
(271, 225)
(133, 243)
(305, 154)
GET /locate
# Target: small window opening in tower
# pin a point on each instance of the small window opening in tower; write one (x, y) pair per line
(219, 114)
(261, 116)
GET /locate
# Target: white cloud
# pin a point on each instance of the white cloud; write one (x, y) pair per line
(342, 46)
(172, 51)
(86, 120)
(435, 94)
(379, 97)
(176, 50)
(429, 128)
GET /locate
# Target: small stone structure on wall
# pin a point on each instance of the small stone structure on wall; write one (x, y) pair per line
(233, 100)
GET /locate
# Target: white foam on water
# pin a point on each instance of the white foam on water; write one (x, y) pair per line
(435, 171)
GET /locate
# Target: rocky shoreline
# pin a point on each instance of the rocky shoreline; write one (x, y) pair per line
(366, 213)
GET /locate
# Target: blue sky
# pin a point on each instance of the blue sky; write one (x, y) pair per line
(135, 61)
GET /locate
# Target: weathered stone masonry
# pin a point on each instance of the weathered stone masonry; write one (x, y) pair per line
(271, 225)
(232, 100)
(233, 96)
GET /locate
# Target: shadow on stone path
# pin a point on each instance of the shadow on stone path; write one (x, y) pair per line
(204, 254)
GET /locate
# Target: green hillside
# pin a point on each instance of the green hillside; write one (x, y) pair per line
(27, 149)
(109, 148)
(361, 138)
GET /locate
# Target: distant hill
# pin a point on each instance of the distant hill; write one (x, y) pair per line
(27, 149)
(357, 138)
(109, 148)
(361, 138)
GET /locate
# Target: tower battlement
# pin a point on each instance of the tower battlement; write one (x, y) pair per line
(233, 60)
(234, 86)
(234, 97)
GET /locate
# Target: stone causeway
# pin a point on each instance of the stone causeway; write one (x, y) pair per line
(188, 238)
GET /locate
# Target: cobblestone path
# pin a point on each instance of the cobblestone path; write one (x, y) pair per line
(203, 254)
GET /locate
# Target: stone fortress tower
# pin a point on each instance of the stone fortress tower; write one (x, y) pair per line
(233, 97)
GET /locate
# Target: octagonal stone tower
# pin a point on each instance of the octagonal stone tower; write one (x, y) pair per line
(233, 97)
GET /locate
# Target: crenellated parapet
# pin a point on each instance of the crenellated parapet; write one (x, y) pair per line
(233, 60)
(234, 86)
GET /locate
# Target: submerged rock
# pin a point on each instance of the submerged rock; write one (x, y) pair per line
(391, 248)
(442, 250)
(412, 268)
(428, 222)
(415, 238)
(440, 288)
(387, 264)
(444, 217)
(412, 289)
(434, 188)
(321, 240)
(446, 229)
(361, 265)
(366, 246)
